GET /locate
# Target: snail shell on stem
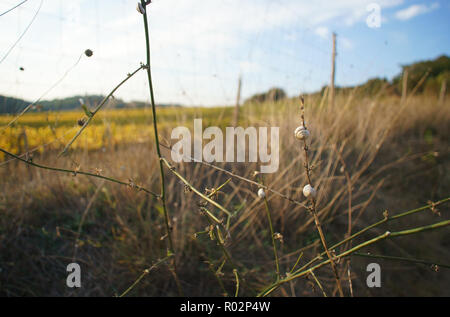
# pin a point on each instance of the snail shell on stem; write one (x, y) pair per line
(140, 8)
(308, 191)
(301, 133)
(261, 193)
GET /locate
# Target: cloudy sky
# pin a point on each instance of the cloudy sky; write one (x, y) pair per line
(201, 47)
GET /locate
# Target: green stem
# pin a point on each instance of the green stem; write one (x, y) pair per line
(93, 113)
(172, 169)
(158, 151)
(318, 283)
(74, 172)
(386, 235)
(277, 265)
(236, 275)
(376, 224)
(219, 280)
(397, 258)
(147, 271)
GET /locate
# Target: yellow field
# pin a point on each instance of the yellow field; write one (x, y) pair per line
(49, 130)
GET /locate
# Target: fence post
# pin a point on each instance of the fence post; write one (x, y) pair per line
(404, 85)
(333, 73)
(238, 100)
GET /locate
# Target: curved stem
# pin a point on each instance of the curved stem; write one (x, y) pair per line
(386, 235)
(75, 172)
(277, 265)
(158, 151)
(313, 208)
(376, 224)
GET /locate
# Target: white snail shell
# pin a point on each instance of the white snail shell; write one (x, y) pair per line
(308, 190)
(261, 193)
(301, 133)
(140, 8)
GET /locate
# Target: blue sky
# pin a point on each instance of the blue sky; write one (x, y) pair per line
(200, 47)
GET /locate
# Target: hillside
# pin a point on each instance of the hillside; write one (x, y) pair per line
(15, 105)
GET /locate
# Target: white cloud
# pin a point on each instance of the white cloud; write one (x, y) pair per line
(322, 31)
(415, 10)
(190, 40)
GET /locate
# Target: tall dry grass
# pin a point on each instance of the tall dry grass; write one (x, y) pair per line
(394, 155)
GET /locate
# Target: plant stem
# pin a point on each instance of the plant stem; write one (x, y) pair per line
(313, 207)
(272, 234)
(158, 151)
(74, 172)
(397, 258)
(219, 280)
(146, 271)
(236, 275)
(172, 169)
(93, 113)
(273, 191)
(318, 283)
(376, 224)
(386, 235)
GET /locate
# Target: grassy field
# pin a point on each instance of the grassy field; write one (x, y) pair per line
(367, 155)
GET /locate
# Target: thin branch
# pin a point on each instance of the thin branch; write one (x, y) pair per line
(273, 191)
(17, 5)
(42, 96)
(313, 207)
(397, 258)
(376, 224)
(275, 252)
(349, 221)
(75, 172)
(23, 33)
(384, 236)
(171, 248)
(236, 275)
(296, 262)
(146, 272)
(318, 283)
(93, 113)
(172, 169)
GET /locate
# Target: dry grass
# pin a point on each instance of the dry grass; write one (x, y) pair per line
(396, 156)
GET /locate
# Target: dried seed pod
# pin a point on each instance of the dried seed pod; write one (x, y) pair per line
(140, 8)
(301, 133)
(261, 193)
(308, 190)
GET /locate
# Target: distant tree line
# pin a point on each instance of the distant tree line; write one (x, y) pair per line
(14, 105)
(434, 74)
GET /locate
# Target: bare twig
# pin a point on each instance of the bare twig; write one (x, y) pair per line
(9, 10)
(144, 273)
(313, 202)
(75, 172)
(93, 113)
(384, 236)
(23, 33)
